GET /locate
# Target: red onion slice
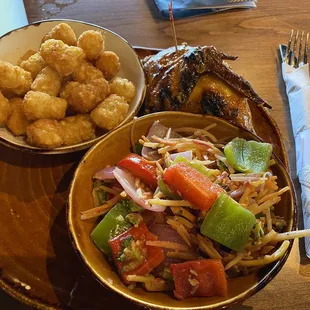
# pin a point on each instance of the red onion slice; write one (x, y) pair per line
(105, 174)
(165, 233)
(159, 130)
(187, 154)
(237, 193)
(127, 181)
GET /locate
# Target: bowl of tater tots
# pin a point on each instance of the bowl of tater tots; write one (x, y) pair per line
(65, 84)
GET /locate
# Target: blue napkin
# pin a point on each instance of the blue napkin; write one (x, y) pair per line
(188, 8)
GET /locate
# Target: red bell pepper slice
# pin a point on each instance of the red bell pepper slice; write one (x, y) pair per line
(203, 278)
(192, 185)
(138, 258)
(140, 168)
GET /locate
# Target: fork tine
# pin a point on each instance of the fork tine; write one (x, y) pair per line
(288, 48)
(294, 48)
(299, 49)
(306, 49)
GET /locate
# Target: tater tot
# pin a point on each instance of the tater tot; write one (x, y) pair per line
(76, 129)
(110, 113)
(5, 110)
(102, 87)
(62, 57)
(123, 87)
(86, 72)
(39, 105)
(65, 93)
(108, 63)
(14, 78)
(61, 32)
(45, 133)
(67, 89)
(92, 43)
(83, 98)
(47, 81)
(26, 56)
(17, 122)
(34, 64)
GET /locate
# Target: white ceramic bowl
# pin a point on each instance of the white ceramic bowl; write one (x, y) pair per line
(15, 43)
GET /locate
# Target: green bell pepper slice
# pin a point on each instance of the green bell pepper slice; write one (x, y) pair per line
(198, 166)
(228, 223)
(248, 156)
(166, 190)
(167, 274)
(138, 148)
(113, 224)
(101, 196)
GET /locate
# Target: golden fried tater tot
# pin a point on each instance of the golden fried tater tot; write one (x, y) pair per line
(34, 64)
(17, 122)
(65, 93)
(45, 133)
(61, 32)
(92, 43)
(83, 98)
(47, 81)
(123, 87)
(86, 72)
(39, 105)
(5, 110)
(62, 57)
(110, 112)
(67, 89)
(26, 56)
(14, 78)
(76, 129)
(102, 87)
(108, 63)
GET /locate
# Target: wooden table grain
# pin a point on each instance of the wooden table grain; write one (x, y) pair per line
(254, 36)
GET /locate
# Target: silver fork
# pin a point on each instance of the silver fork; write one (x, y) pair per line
(302, 52)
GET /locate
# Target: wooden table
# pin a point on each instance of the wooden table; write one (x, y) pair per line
(254, 36)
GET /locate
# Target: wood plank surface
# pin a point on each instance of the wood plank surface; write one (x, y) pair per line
(254, 36)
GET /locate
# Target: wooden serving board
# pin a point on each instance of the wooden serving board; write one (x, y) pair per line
(38, 265)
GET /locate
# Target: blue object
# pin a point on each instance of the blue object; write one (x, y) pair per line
(188, 8)
(12, 15)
